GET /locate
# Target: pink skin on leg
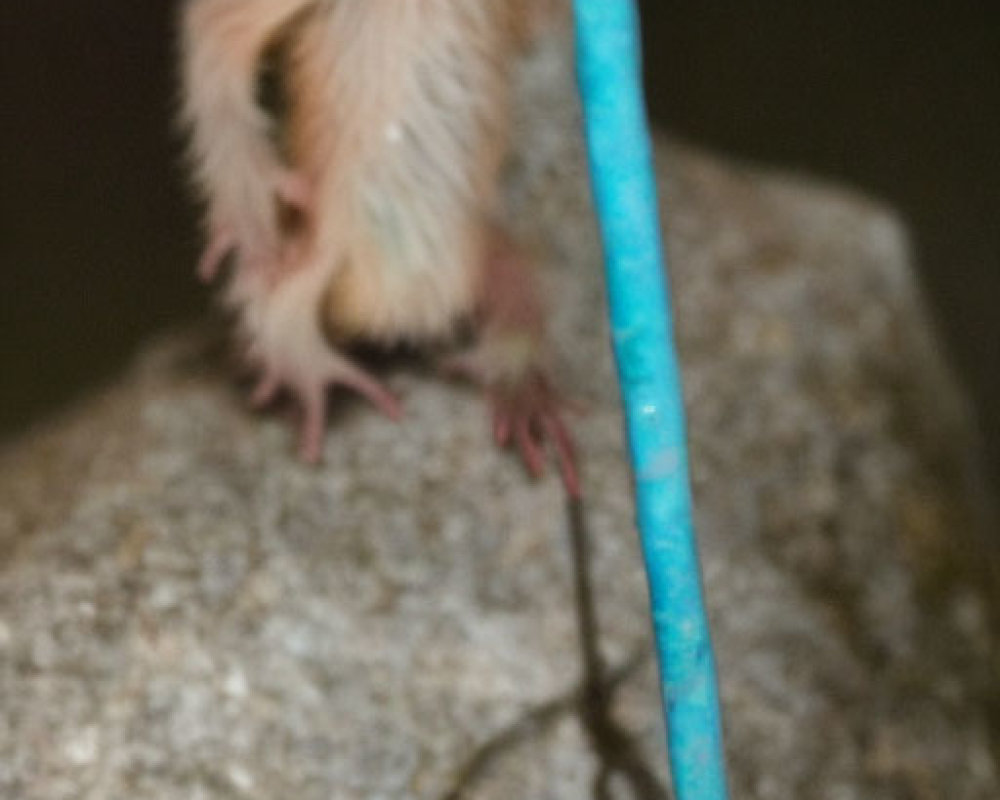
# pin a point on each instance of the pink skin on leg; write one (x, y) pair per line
(527, 411)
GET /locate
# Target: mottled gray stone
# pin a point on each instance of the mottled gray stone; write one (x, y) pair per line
(186, 612)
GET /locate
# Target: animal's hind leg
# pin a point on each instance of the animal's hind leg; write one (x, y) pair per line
(509, 362)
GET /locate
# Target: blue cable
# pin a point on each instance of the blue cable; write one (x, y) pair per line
(621, 164)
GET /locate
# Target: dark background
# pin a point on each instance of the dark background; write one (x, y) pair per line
(98, 239)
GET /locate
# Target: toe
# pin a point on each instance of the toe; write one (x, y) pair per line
(371, 389)
(530, 451)
(313, 426)
(265, 391)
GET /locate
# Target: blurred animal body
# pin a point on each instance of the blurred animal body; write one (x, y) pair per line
(368, 208)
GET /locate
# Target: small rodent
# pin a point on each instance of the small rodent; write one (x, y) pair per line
(368, 208)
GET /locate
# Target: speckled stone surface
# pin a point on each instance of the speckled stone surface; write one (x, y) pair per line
(186, 613)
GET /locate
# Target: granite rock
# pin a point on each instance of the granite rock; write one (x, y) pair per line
(188, 613)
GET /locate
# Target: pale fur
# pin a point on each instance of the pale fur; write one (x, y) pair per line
(235, 165)
(403, 121)
(398, 119)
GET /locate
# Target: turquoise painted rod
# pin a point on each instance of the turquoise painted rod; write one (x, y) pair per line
(621, 165)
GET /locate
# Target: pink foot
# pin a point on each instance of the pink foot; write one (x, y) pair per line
(529, 414)
(312, 430)
(311, 397)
